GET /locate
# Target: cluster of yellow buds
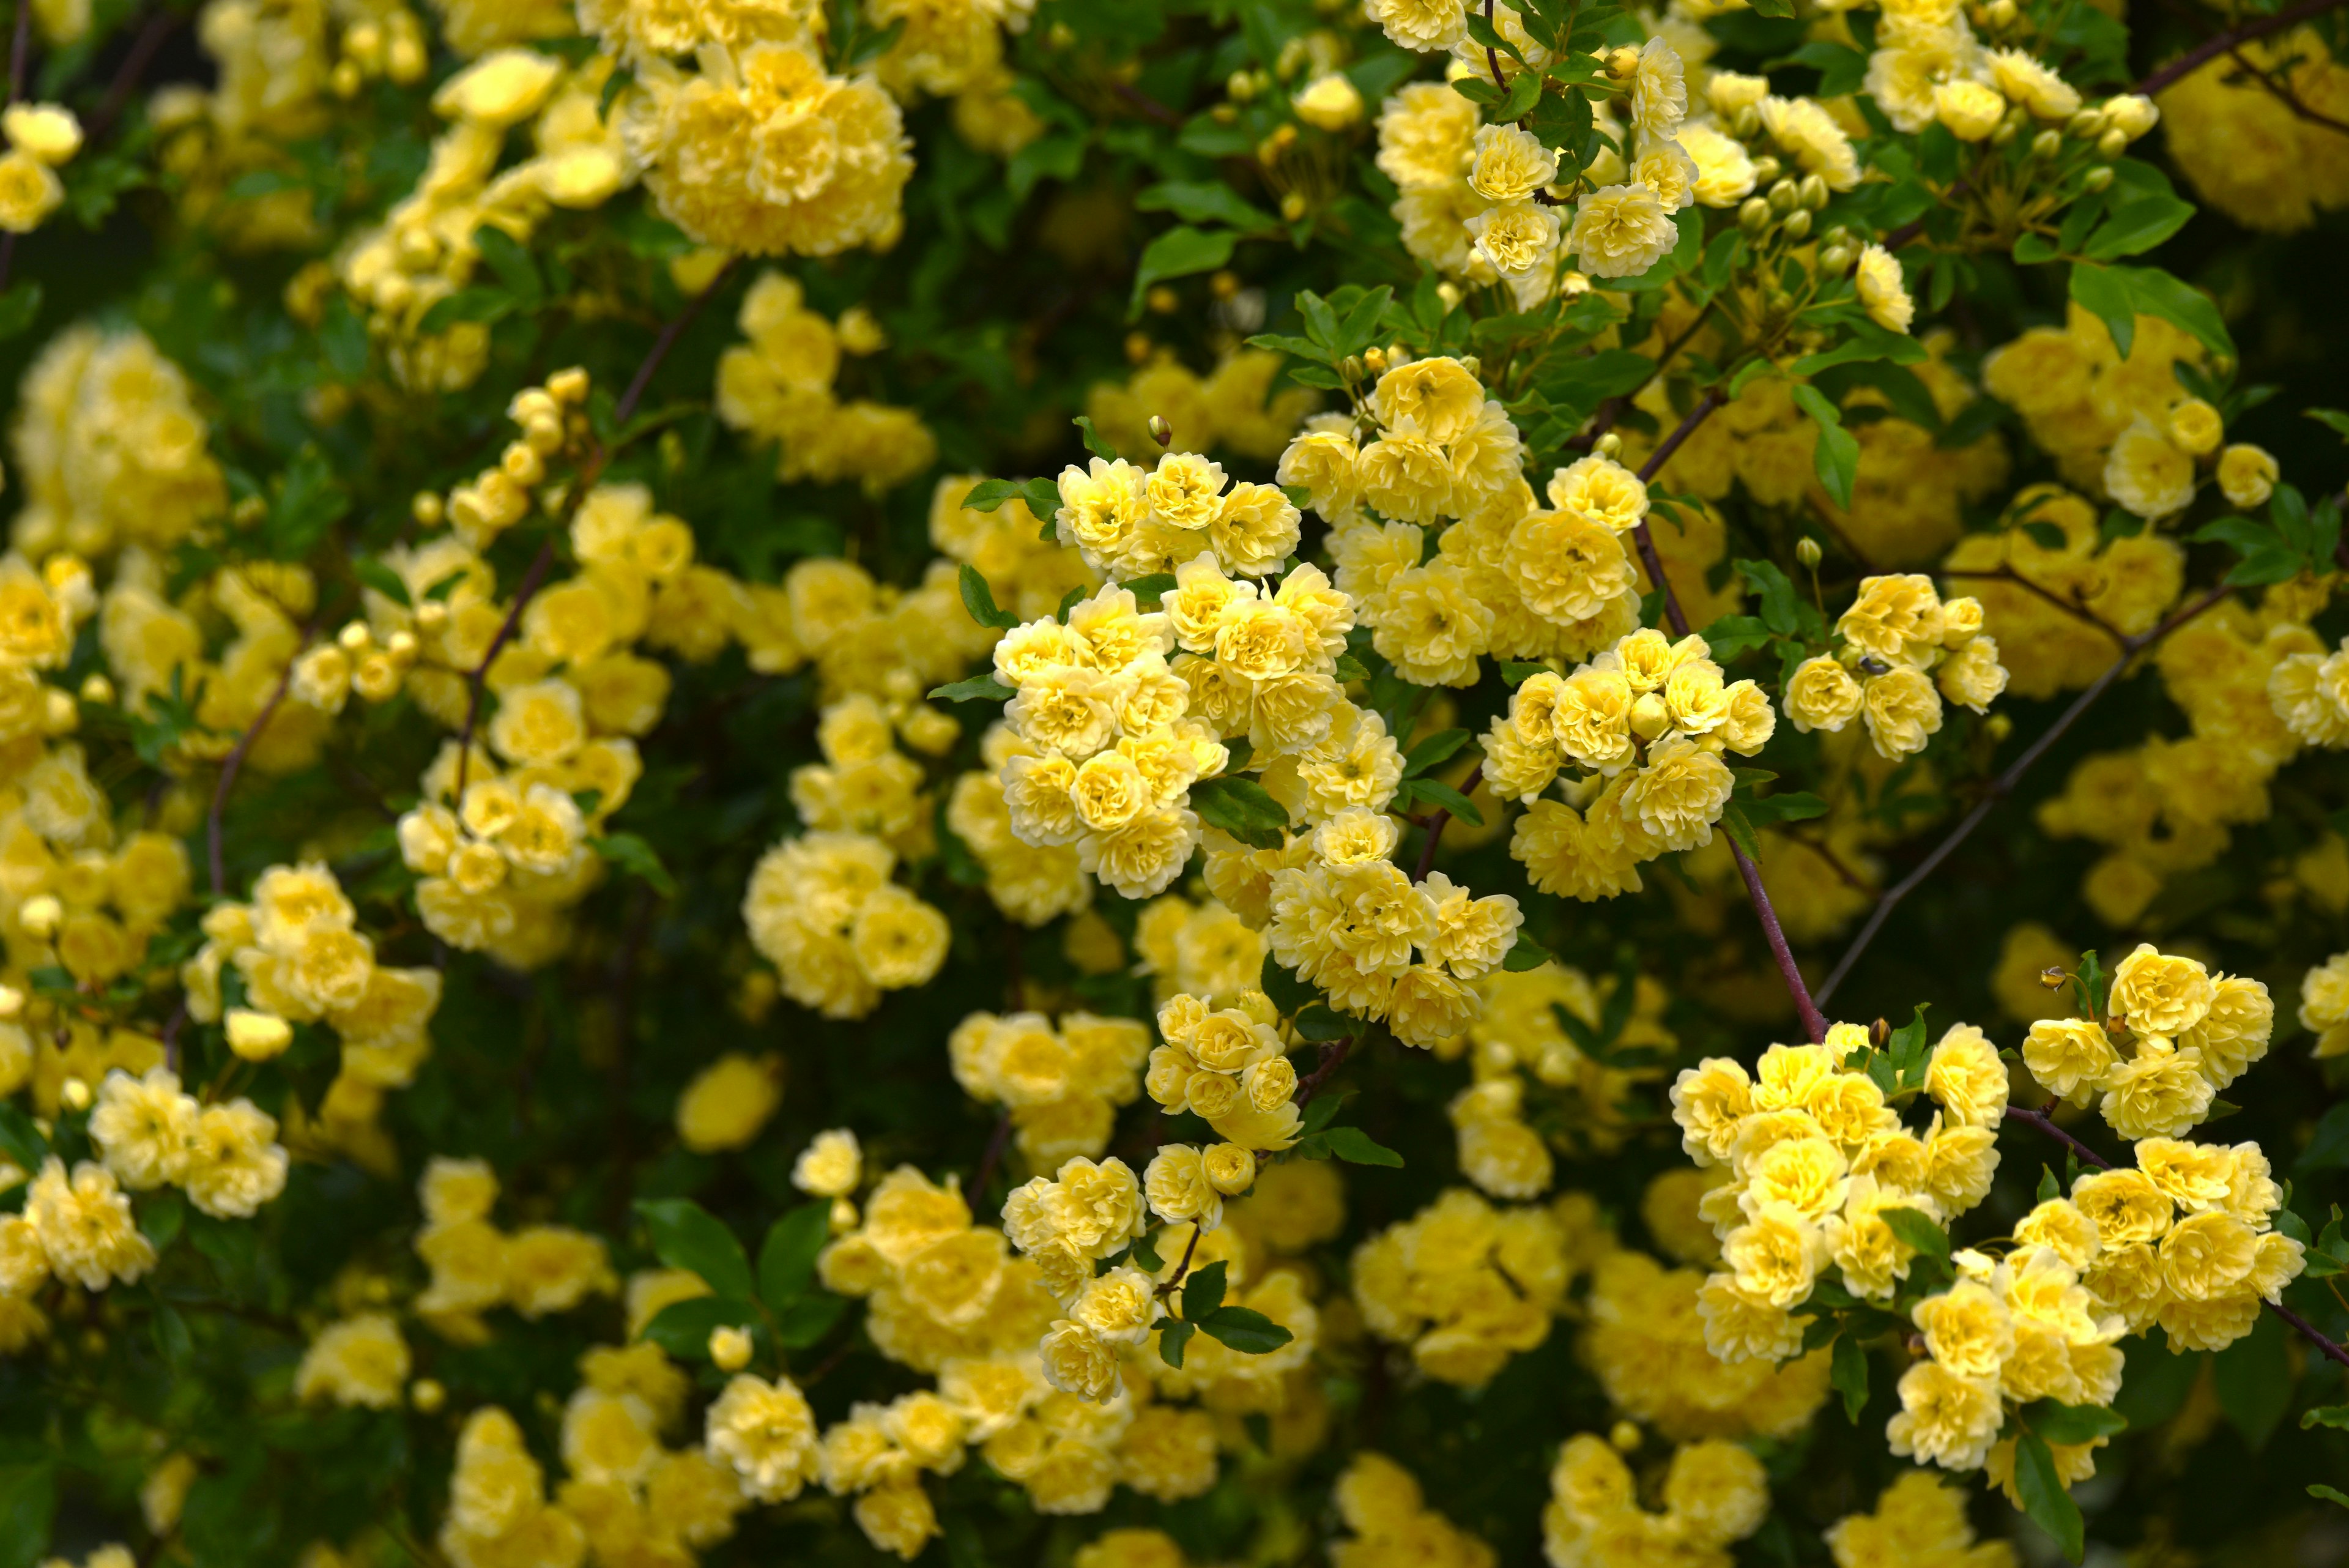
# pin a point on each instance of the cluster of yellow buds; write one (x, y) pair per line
(553, 421)
(356, 660)
(390, 47)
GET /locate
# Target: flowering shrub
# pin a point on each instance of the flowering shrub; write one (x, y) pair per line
(1122, 784)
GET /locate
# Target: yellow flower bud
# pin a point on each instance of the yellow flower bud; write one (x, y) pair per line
(255, 1035)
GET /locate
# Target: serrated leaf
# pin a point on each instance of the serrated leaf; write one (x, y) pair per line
(1095, 443)
(1243, 808)
(1449, 799)
(1432, 752)
(2046, 1503)
(980, 601)
(978, 689)
(1173, 1334)
(1917, 1231)
(787, 1257)
(686, 1236)
(1848, 1373)
(2069, 1424)
(1202, 1290)
(1835, 459)
(1356, 1147)
(683, 1328)
(1248, 1331)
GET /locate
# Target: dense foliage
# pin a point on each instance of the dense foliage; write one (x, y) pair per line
(1130, 783)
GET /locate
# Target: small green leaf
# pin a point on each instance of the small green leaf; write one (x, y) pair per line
(1432, 752)
(1147, 591)
(2329, 1494)
(630, 853)
(1144, 1252)
(1243, 808)
(1174, 1334)
(683, 1328)
(1203, 1291)
(18, 306)
(2069, 1424)
(2326, 1415)
(1445, 798)
(2104, 295)
(1249, 1333)
(372, 573)
(787, 1258)
(1288, 993)
(1918, 1231)
(2043, 1498)
(980, 601)
(978, 689)
(1848, 1373)
(686, 1236)
(808, 1320)
(1836, 457)
(1178, 252)
(1525, 953)
(1356, 1147)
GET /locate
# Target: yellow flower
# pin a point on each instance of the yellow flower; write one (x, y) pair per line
(1620, 231)
(29, 191)
(727, 1102)
(1883, 291)
(1328, 101)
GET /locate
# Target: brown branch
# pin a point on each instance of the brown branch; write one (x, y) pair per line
(1144, 103)
(977, 1190)
(2232, 40)
(1183, 1267)
(2044, 1123)
(235, 763)
(1493, 56)
(143, 52)
(1646, 540)
(1332, 1058)
(2078, 612)
(2003, 785)
(2281, 91)
(1437, 823)
(1815, 1023)
(589, 471)
(1604, 420)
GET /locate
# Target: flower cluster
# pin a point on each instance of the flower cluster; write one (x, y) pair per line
(2175, 1036)
(1201, 949)
(937, 1287)
(1465, 1285)
(1033, 884)
(822, 909)
(1382, 1504)
(1233, 409)
(779, 388)
(1911, 649)
(1063, 1224)
(1715, 1495)
(1920, 1519)
(1817, 1155)
(1059, 1084)
(475, 1266)
(109, 449)
(40, 137)
(1126, 522)
(1646, 1344)
(1645, 722)
(1349, 920)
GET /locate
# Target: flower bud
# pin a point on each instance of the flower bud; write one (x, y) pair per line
(2000, 12)
(1806, 551)
(1783, 195)
(2100, 178)
(1350, 367)
(2047, 144)
(96, 687)
(74, 1093)
(1607, 445)
(39, 915)
(729, 1349)
(1754, 214)
(568, 386)
(1812, 191)
(1798, 222)
(1622, 62)
(256, 1036)
(1766, 169)
(2112, 143)
(427, 1394)
(1834, 261)
(1161, 431)
(1650, 717)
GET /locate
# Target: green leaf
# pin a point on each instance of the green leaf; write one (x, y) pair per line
(2329, 1494)
(1524, 92)
(1320, 1026)
(683, 1328)
(2328, 1146)
(1445, 796)
(1432, 752)
(2043, 1498)
(1356, 1147)
(787, 1258)
(1525, 953)
(20, 1140)
(2138, 227)
(1203, 1291)
(1918, 1231)
(372, 573)
(2326, 1415)
(18, 306)
(310, 501)
(28, 1501)
(686, 1236)
(1866, 342)
(160, 1217)
(978, 689)
(1147, 591)
(1351, 669)
(2157, 293)
(1178, 252)
(1784, 610)
(2061, 1423)
(2253, 1377)
(1776, 10)
(1849, 1373)
(512, 266)
(1909, 1052)
(1249, 1333)
(1041, 496)
(1095, 443)
(1174, 1334)
(808, 1320)
(2333, 419)
(480, 303)
(1841, 68)
(1740, 828)
(1206, 201)
(1144, 1251)
(1243, 808)
(630, 853)
(1288, 993)
(1836, 457)
(980, 601)
(2106, 296)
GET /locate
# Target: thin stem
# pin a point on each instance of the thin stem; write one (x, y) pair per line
(235, 763)
(1648, 471)
(1332, 1058)
(2077, 612)
(20, 49)
(2225, 42)
(977, 1190)
(1815, 1023)
(2281, 91)
(1493, 56)
(143, 52)
(2003, 785)
(1183, 1267)
(589, 471)
(2300, 1325)
(1437, 823)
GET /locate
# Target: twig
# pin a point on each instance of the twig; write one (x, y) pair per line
(1332, 1058)
(2281, 91)
(589, 471)
(1640, 534)
(1183, 1267)
(1144, 103)
(143, 52)
(2005, 785)
(234, 761)
(1604, 420)
(2078, 612)
(2043, 1123)
(20, 49)
(977, 1190)
(2233, 38)
(1815, 1023)
(1493, 56)
(1438, 822)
